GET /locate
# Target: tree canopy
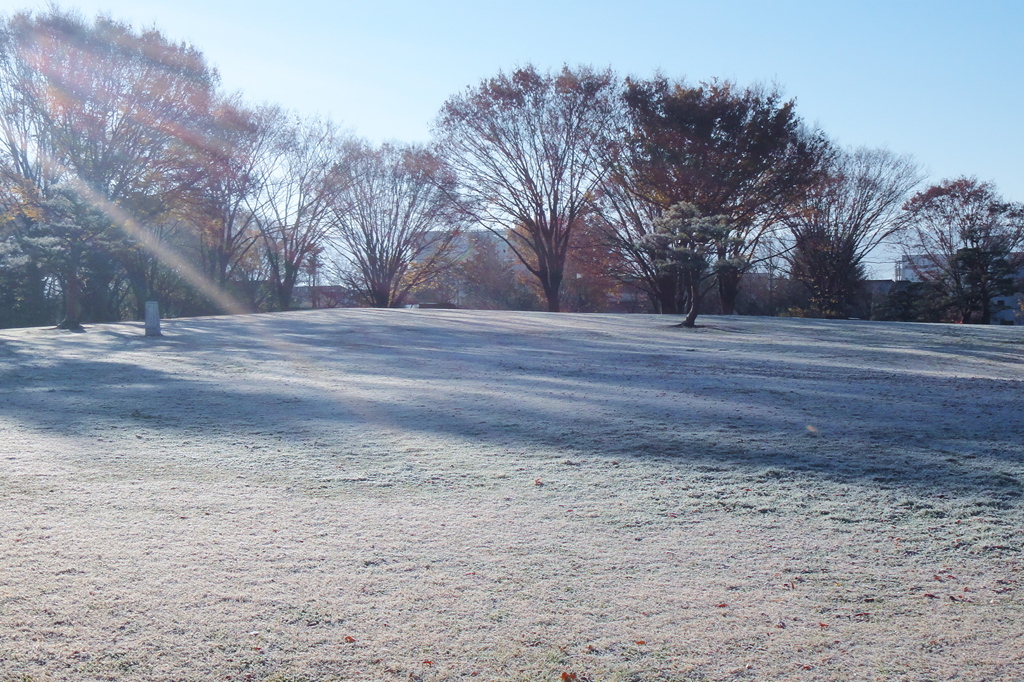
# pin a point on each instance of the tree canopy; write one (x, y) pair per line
(856, 206)
(967, 241)
(127, 174)
(742, 153)
(528, 150)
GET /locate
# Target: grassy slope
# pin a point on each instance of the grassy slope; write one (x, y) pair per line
(360, 494)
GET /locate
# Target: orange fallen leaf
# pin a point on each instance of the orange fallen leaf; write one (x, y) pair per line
(568, 676)
(538, 482)
(641, 642)
(349, 639)
(721, 606)
(428, 663)
(824, 625)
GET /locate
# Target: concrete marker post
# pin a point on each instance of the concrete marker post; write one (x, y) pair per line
(152, 318)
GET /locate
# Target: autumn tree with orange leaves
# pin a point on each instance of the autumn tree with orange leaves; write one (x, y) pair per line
(102, 141)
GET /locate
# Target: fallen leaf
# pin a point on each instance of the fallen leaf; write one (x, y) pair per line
(641, 642)
(349, 639)
(721, 606)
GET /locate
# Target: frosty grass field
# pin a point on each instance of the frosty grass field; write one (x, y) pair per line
(446, 495)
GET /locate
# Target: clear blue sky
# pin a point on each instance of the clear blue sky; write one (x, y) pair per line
(943, 81)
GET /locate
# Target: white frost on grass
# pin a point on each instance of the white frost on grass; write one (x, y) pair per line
(436, 495)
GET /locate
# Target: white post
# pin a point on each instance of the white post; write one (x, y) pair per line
(152, 318)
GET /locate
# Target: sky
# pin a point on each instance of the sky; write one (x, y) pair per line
(942, 81)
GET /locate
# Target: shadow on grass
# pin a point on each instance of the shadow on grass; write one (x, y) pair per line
(851, 403)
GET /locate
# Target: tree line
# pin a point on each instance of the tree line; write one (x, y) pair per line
(127, 175)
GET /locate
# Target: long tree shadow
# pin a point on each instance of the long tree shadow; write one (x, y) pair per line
(736, 399)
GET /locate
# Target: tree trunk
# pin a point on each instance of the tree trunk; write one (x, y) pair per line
(551, 283)
(693, 292)
(552, 296)
(728, 290)
(284, 296)
(666, 294)
(72, 303)
(691, 317)
(986, 309)
(286, 286)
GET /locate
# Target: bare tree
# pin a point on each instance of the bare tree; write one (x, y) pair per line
(626, 220)
(220, 208)
(527, 148)
(850, 212)
(297, 184)
(966, 241)
(394, 221)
